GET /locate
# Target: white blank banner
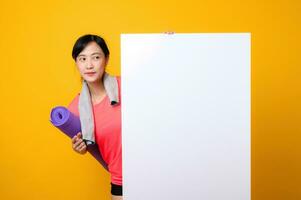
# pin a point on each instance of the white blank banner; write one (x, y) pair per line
(186, 116)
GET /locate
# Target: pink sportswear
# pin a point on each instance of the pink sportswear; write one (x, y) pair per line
(107, 123)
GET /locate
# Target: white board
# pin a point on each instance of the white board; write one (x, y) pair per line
(186, 116)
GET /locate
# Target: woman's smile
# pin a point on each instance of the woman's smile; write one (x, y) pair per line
(91, 73)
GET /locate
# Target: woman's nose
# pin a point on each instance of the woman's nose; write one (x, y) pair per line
(89, 65)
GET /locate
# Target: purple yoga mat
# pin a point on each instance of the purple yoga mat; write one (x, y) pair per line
(69, 124)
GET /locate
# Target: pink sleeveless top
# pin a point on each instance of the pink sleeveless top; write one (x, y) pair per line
(107, 123)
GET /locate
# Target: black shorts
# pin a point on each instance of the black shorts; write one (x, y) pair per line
(116, 189)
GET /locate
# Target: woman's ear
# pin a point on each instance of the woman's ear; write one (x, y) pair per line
(107, 59)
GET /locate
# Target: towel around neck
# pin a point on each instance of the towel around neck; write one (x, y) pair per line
(85, 105)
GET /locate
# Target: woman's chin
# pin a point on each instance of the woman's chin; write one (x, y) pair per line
(91, 79)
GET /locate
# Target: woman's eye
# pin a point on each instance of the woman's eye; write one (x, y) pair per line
(96, 57)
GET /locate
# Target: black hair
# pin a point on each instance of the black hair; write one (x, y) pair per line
(82, 42)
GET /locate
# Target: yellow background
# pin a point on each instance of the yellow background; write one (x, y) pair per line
(38, 73)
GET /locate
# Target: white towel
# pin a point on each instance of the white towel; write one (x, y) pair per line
(85, 106)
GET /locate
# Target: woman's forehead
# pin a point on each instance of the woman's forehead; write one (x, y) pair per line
(91, 49)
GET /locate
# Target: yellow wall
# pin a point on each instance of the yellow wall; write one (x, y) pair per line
(37, 73)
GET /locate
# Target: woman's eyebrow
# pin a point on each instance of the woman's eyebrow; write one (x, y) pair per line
(91, 54)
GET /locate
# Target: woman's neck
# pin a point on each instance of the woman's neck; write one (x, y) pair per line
(97, 90)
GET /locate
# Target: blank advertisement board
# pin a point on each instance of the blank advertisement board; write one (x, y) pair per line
(186, 116)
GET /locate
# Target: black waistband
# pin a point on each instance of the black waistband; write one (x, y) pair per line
(116, 189)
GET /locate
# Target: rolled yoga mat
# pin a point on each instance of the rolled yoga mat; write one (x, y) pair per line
(69, 124)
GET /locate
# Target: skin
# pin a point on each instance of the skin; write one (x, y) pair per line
(117, 197)
(91, 59)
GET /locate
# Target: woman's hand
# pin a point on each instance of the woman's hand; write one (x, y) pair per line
(78, 144)
(169, 32)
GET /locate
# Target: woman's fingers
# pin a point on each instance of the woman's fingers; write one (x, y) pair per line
(78, 143)
(79, 148)
(169, 32)
(82, 149)
(81, 145)
(74, 139)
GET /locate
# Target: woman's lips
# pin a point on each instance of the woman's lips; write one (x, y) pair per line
(90, 74)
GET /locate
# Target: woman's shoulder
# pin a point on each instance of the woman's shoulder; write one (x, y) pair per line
(73, 105)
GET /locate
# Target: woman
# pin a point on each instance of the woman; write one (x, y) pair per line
(91, 56)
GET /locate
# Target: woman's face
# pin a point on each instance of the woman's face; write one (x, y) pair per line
(91, 62)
